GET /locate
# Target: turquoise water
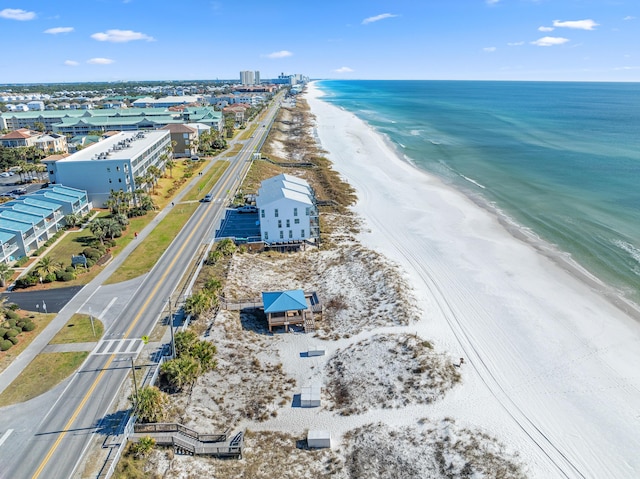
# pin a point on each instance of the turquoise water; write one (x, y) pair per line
(561, 159)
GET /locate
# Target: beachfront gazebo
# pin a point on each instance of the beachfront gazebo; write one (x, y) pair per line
(285, 308)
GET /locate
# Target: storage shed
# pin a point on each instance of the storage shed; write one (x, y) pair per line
(318, 439)
(310, 396)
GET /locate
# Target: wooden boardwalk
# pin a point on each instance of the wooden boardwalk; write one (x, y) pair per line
(185, 440)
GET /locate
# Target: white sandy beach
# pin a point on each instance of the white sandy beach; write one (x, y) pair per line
(551, 367)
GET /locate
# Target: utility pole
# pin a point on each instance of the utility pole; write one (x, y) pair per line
(135, 383)
(173, 341)
(92, 325)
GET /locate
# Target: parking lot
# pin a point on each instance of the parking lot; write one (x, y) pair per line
(241, 226)
(11, 183)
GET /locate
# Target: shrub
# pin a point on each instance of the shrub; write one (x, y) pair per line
(67, 276)
(22, 261)
(26, 281)
(11, 314)
(12, 333)
(5, 344)
(3, 332)
(50, 278)
(14, 340)
(28, 326)
(92, 253)
(69, 269)
(13, 307)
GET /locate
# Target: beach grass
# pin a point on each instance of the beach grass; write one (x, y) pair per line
(43, 373)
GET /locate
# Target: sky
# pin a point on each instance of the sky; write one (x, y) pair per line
(115, 40)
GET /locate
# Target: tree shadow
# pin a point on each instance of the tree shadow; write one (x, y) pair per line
(113, 424)
(254, 320)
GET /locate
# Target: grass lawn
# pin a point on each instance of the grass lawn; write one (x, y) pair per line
(235, 150)
(145, 256)
(41, 321)
(43, 373)
(78, 330)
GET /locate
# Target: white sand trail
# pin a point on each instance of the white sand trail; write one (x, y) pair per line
(551, 367)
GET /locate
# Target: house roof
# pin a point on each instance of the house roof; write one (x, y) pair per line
(281, 301)
(17, 134)
(179, 128)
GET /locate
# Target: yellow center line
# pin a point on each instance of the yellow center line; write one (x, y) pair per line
(86, 397)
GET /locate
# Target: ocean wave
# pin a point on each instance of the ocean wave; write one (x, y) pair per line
(434, 142)
(630, 249)
(415, 132)
(473, 181)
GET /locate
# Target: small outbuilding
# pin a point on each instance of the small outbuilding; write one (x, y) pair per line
(310, 396)
(318, 439)
(285, 308)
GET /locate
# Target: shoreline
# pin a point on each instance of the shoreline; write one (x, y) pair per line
(522, 233)
(530, 325)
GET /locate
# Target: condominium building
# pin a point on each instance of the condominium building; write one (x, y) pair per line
(112, 164)
(30, 220)
(248, 77)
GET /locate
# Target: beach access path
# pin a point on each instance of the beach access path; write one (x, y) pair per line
(550, 364)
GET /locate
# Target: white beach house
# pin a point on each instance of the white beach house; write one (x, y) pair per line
(111, 164)
(287, 211)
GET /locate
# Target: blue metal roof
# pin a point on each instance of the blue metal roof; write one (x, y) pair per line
(6, 237)
(40, 203)
(15, 225)
(66, 190)
(281, 301)
(16, 215)
(56, 196)
(34, 210)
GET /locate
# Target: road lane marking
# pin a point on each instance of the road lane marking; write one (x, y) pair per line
(151, 296)
(104, 311)
(5, 436)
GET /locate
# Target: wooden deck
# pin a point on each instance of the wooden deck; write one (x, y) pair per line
(185, 440)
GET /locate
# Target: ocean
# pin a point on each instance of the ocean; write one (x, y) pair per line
(560, 160)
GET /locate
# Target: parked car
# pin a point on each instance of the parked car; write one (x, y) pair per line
(19, 191)
(5, 174)
(207, 198)
(248, 209)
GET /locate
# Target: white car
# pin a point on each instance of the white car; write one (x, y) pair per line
(5, 174)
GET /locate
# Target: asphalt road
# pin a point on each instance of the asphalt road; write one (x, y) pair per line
(56, 446)
(46, 300)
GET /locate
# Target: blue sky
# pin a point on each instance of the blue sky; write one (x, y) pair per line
(109, 40)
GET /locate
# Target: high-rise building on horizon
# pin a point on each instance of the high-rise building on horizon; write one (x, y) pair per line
(248, 77)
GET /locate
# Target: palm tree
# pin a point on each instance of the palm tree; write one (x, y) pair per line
(150, 404)
(72, 220)
(47, 266)
(97, 229)
(5, 274)
(170, 164)
(197, 303)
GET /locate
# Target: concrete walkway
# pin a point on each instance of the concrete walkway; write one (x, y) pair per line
(76, 303)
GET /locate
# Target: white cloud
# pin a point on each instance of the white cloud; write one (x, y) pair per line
(550, 41)
(56, 30)
(576, 24)
(629, 17)
(377, 18)
(489, 49)
(121, 36)
(515, 44)
(280, 54)
(17, 14)
(545, 29)
(100, 61)
(627, 68)
(492, 2)
(343, 70)
(71, 63)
